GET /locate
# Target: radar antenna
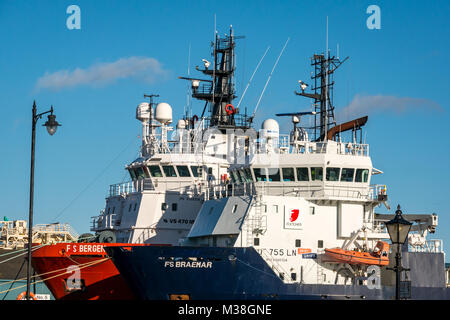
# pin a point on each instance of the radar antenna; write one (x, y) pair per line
(297, 134)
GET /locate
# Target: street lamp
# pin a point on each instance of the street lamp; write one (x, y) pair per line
(51, 125)
(398, 229)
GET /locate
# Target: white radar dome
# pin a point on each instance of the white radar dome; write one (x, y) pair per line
(163, 113)
(270, 128)
(143, 111)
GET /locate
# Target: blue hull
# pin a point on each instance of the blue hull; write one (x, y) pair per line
(211, 273)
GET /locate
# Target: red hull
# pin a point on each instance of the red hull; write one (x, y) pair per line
(81, 271)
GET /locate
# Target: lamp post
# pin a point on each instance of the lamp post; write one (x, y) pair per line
(398, 229)
(51, 125)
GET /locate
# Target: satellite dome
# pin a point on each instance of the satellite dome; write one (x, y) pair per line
(163, 113)
(270, 128)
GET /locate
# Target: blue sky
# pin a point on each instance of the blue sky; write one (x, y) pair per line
(403, 64)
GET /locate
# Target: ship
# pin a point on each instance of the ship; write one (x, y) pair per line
(160, 203)
(13, 256)
(296, 221)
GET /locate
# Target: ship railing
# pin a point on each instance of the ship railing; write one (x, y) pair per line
(376, 226)
(122, 188)
(223, 190)
(207, 88)
(128, 187)
(342, 192)
(187, 187)
(305, 147)
(378, 192)
(281, 145)
(10, 228)
(55, 229)
(104, 221)
(432, 246)
(283, 142)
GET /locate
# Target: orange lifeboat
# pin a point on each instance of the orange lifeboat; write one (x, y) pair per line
(379, 256)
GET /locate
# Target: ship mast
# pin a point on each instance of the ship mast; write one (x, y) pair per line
(324, 68)
(146, 116)
(219, 92)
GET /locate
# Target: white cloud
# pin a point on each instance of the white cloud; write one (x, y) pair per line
(143, 69)
(366, 105)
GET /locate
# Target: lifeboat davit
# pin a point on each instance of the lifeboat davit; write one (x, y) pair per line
(379, 256)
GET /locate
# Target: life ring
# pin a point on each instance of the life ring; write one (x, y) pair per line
(229, 109)
(23, 295)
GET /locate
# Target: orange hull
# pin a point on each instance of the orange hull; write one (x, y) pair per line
(355, 257)
(81, 271)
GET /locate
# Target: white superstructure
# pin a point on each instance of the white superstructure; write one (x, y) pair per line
(294, 197)
(169, 179)
(165, 191)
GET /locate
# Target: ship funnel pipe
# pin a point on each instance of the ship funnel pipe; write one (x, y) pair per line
(354, 124)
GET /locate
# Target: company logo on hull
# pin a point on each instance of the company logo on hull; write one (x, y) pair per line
(292, 219)
(294, 215)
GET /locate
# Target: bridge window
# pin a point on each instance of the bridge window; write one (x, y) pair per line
(288, 174)
(155, 171)
(234, 177)
(241, 175)
(333, 174)
(260, 174)
(317, 174)
(169, 171)
(140, 173)
(248, 175)
(174, 206)
(347, 174)
(132, 174)
(362, 175)
(274, 174)
(183, 171)
(302, 174)
(196, 171)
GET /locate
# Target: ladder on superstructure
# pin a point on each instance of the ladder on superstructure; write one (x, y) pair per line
(320, 267)
(256, 223)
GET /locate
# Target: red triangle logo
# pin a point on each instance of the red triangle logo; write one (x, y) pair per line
(294, 215)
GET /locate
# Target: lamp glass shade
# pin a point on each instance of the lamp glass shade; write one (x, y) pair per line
(51, 130)
(51, 124)
(398, 229)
